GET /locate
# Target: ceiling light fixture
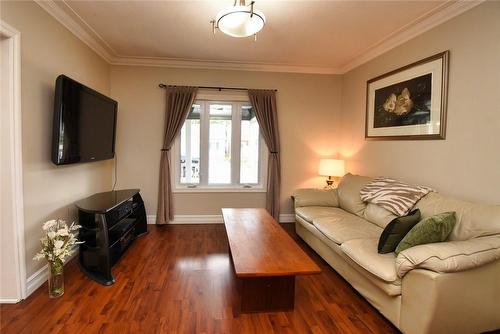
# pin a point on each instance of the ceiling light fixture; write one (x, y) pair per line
(239, 21)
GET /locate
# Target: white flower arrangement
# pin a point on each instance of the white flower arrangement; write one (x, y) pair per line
(58, 242)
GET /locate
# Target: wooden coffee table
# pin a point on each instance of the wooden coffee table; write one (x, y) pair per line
(265, 259)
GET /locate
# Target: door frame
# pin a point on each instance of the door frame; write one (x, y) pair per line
(14, 39)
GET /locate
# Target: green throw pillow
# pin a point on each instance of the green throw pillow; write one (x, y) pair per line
(395, 231)
(436, 228)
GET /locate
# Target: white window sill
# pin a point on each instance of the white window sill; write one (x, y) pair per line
(218, 190)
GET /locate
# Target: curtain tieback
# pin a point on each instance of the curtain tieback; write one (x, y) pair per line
(165, 149)
(273, 152)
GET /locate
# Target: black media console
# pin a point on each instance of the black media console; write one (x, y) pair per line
(110, 222)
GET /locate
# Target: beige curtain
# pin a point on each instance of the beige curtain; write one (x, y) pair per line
(179, 103)
(264, 106)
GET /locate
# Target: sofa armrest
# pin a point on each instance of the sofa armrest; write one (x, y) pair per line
(450, 256)
(316, 197)
(459, 303)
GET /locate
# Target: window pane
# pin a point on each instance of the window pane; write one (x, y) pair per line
(219, 156)
(190, 147)
(249, 156)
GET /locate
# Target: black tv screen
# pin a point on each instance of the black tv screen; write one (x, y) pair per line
(84, 124)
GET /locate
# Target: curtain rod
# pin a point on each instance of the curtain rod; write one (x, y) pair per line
(162, 85)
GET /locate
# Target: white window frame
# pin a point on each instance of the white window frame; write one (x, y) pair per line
(237, 100)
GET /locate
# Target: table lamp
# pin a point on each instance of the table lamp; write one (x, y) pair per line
(331, 167)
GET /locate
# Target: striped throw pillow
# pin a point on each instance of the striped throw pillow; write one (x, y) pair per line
(397, 197)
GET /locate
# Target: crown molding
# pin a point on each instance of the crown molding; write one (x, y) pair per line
(221, 65)
(78, 27)
(74, 23)
(439, 15)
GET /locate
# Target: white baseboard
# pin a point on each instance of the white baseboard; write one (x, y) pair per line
(40, 276)
(287, 218)
(9, 300)
(211, 219)
(190, 219)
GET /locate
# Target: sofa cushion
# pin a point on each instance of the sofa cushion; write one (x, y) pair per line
(343, 226)
(473, 219)
(308, 213)
(348, 192)
(316, 197)
(378, 215)
(335, 256)
(364, 253)
(432, 229)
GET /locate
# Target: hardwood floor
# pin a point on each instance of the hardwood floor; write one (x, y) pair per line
(179, 279)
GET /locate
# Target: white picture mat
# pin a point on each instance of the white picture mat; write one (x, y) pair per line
(434, 67)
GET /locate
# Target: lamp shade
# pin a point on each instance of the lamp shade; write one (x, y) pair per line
(331, 167)
(239, 21)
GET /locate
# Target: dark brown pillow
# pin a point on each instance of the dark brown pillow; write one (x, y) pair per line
(396, 230)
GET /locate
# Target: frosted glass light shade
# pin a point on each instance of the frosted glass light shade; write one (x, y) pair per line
(236, 21)
(331, 167)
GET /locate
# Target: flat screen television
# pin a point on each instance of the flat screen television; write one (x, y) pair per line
(84, 124)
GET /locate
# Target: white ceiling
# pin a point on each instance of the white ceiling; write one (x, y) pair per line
(324, 36)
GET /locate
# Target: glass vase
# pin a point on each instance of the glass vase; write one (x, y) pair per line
(56, 279)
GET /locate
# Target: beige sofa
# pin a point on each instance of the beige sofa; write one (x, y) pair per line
(447, 287)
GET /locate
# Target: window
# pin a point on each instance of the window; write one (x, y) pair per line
(219, 143)
(220, 148)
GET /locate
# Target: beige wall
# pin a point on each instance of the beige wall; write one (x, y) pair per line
(467, 163)
(47, 50)
(308, 108)
(312, 124)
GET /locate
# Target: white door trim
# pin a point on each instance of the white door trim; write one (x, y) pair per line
(14, 37)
